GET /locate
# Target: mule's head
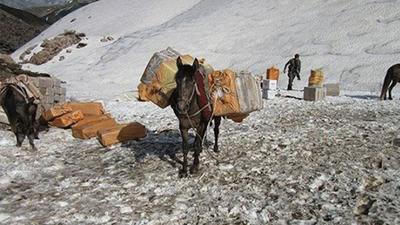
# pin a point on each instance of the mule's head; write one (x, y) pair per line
(186, 85)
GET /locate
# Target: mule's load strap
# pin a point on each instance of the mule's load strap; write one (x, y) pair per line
(24, 86)
(202, 98)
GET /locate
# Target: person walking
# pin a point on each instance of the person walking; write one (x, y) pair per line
(294, 70)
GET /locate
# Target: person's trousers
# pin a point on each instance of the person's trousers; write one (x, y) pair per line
(292, 75)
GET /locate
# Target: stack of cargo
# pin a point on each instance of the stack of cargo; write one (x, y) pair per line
(158, 79)
(269, 89)
(273, 73)
(120, 133)
(234, 94)
(270, 84)
(316, 78)
(87, 120)
(332, 89)
(315, 91)
(51, 92)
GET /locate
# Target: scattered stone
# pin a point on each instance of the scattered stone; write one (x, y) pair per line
(126, 209)
(6, 59)
(81, 45)
(54, 46)
(364, 205)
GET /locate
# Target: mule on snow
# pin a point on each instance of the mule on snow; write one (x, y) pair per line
(187, 101)
(21, 113)
(392, 78)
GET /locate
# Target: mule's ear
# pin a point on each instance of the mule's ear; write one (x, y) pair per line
(179, 62)
(196, 64)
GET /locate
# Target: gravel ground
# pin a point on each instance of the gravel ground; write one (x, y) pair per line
(294, 162)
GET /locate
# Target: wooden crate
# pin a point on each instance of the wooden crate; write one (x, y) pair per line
(314, 93)
(120, 133)
(56, 111)
(68, 119)
(87, 108)
(89, 119)
(90, 129)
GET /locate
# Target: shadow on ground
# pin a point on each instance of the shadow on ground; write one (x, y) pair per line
(366, 97)
(165, 144)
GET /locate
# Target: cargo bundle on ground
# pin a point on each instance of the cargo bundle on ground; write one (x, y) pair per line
(316, 78)
(120, 133)
(51, 92)
(70, 113)
(332, 89)
(234, 94)
(87, 120)
(315, 91)
(269, 89)
(273, 73)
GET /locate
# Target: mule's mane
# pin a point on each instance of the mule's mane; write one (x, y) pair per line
(184, 71)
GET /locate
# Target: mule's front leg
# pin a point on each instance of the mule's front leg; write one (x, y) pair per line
(185, 148)
(31, 137)
(217, 121)
(198, 145)
(35, 125)
(20, 138)
(394, 82)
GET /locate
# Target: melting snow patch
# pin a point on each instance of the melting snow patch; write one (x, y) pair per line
(126, 209)
(4, 216)
(225, 167)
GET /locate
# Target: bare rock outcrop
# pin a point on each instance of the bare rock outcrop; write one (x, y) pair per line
(8, 68)
(52, 47)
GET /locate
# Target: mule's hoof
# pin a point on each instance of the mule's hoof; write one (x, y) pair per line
(182, 174)
(216, 150)
(18, 145)
(194, 170)
(33, 149)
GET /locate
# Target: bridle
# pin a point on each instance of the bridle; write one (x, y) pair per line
(194, 90)
(188, 101)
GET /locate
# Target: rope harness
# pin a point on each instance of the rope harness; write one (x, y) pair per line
(219, 91)
(17, 88)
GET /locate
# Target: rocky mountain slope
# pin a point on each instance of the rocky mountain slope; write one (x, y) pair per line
(55, 12)
(24, 4)
(18, 27)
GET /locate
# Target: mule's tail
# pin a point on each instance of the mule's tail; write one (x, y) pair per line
(386, 83)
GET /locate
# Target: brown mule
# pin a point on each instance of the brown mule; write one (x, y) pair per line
(21, 113)
(392, 78)
(185, 104)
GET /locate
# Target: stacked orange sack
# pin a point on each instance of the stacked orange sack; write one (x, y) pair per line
(234, 94)
(316, 78)
(273, 73)
(158, 79)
